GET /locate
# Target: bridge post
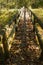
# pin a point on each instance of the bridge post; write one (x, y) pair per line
(34, 22)
(5, 45)
(31, 16)
(30, 13)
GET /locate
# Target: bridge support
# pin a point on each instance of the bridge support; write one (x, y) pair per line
(5, 45)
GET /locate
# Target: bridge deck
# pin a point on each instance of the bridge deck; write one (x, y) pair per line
(24, 50)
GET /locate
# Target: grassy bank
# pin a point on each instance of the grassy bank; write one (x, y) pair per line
(39, 13)
(7, 15)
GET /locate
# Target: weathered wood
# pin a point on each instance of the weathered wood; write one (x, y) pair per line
(41, 43)
(5, 45)
(37, 20)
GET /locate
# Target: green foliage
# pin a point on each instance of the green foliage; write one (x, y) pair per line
(20, 3)
(6, 16)
(39, 13)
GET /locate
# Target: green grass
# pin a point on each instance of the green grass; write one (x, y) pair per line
(38, 12)
(7, 15)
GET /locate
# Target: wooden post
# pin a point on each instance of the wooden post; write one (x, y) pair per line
(34, 22)
(31, 16)
(5, 45)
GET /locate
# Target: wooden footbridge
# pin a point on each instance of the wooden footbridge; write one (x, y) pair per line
(20, 43)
